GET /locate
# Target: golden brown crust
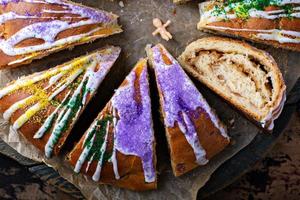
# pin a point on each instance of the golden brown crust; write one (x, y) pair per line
(35, 122)
(251, 23)
(235, 46)
(247, 36)
(9, 28)
(32, 126)
(129, 167)
(182, 155)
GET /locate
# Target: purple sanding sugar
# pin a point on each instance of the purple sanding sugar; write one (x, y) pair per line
(43, 30)
(27, 13)
(179, 93)
(95, 15)
(98, 16)
(180, 99)
(5, 2)
(134, 132)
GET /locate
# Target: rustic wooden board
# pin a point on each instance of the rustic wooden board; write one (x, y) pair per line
(136, 18)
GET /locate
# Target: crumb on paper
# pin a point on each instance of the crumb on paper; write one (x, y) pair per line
(127, 55)
(231, 122)
(121, 4)
(162, 29)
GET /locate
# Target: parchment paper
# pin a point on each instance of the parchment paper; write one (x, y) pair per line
(136, 18)
(169, 187)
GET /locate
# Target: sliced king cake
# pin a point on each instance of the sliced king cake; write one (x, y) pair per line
(275, 22)
(32, 29)
(194, 132)
(119, 147)
(44, 106)
(246, 77)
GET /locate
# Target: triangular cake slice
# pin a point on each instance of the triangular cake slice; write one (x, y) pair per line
(273, 23)
(194, 132)
(119, 147)
(44, 106)
(34, 29)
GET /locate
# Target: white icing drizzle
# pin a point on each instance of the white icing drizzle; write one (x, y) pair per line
(275, 14)
(284, 2)
(278, 36)
(216, 121)
(271, 34)
(22, 59)
(192, 139)
(48, 30)
(61, 121)
(60, 78)
(97, 173)
(83, 156)
(28, 114)
(54, 79)
(12, 16)
(94, 124)
(268, 121)
(114, 154)
(89, 162)
(281, 36)
(13, 51)
(209, 16)
(42, 130)
(26, 81)
(69, 80)
(13, 108)
(112, 118)
(55, 134)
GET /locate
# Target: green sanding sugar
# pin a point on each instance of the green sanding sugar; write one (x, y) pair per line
(241, 7)
(100, 130)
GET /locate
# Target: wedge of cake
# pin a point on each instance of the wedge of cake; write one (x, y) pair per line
(274, 23)
(44, 106)
(34, 29)
(119, 147)
(194, 132)
(246, 77)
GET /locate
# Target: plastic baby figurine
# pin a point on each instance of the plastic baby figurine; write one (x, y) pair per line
(161, 29)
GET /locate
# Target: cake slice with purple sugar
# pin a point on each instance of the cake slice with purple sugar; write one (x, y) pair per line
(32, 29)
(119, 147)
(194, 132)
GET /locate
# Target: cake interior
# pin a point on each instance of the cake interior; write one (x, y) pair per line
(238, 77)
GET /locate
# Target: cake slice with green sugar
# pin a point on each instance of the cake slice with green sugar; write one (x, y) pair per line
(44, 106)
(119, 147)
